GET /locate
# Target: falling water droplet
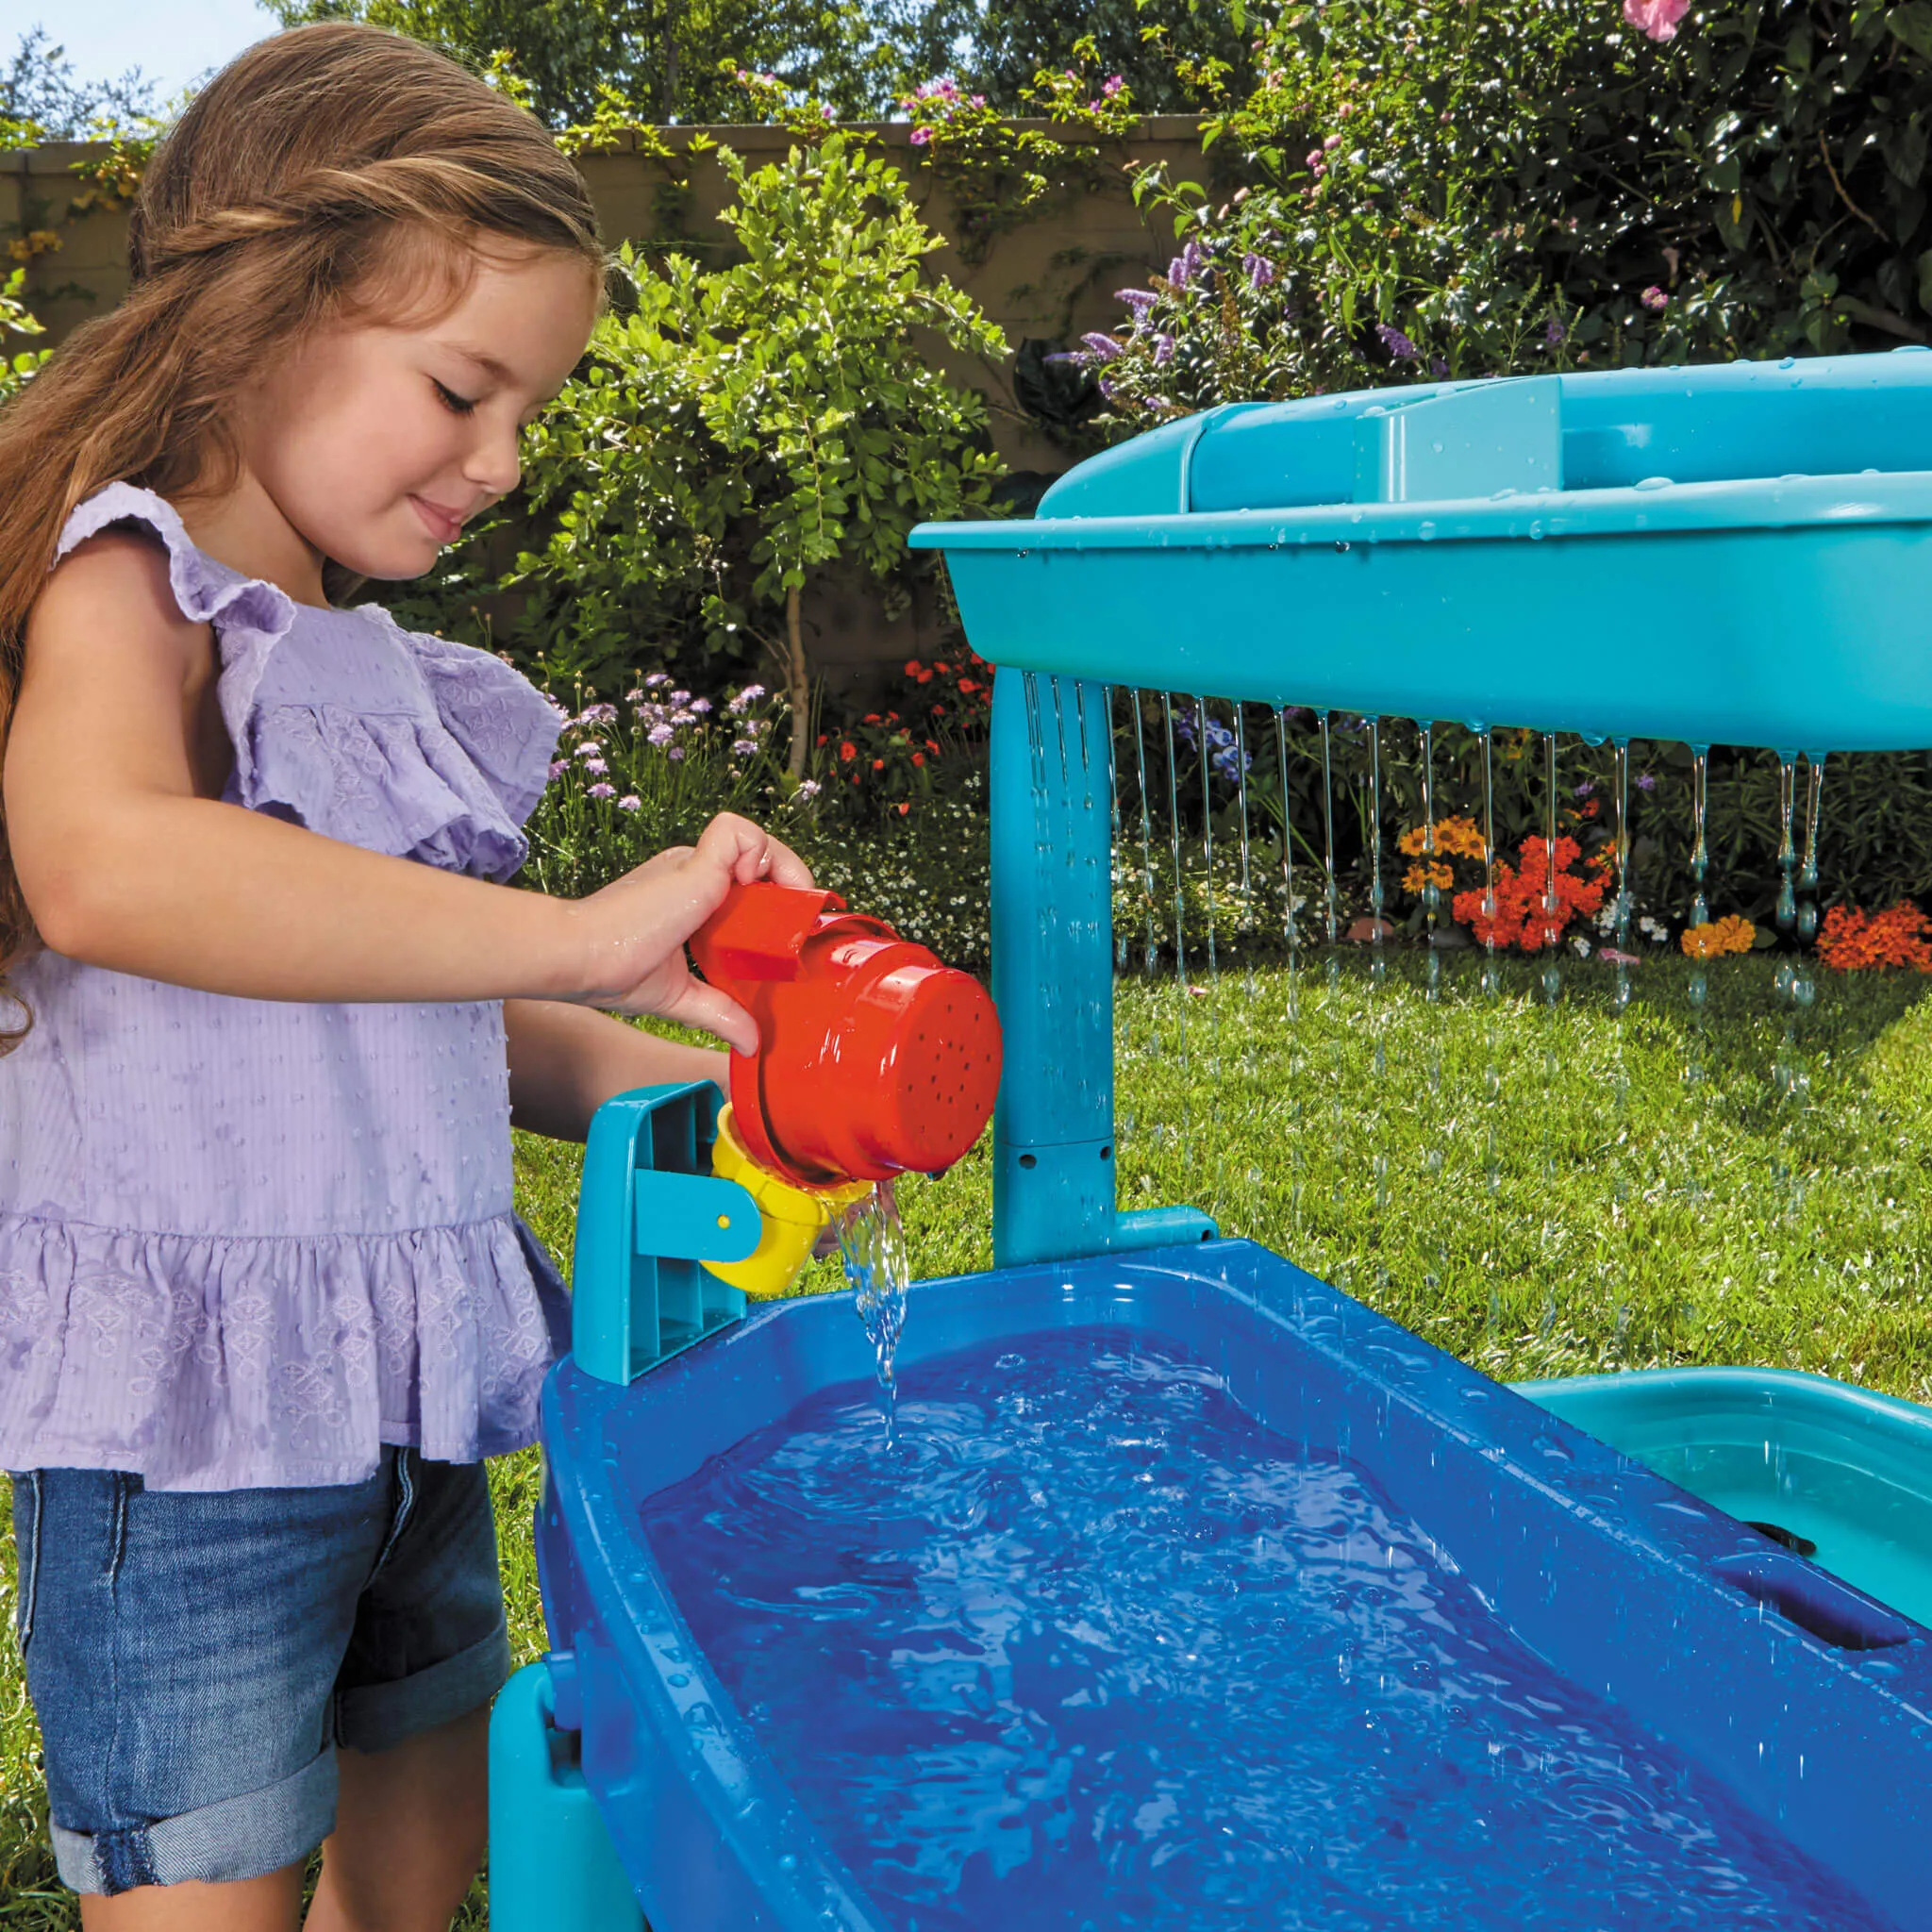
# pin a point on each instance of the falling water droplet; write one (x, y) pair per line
(1329, 892)
(1700, 849)
(1787, 913)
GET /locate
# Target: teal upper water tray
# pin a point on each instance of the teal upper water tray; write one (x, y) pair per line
(1739, 555)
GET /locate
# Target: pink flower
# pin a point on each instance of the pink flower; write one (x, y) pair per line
(1657, 17)
(1112, 85)
(920, 136)
(630, 802)
(596, 767)
(1655, 299)
(559, 767)
(601, 791)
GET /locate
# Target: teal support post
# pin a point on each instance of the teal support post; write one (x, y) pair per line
(552, 1865)
(1052, 848)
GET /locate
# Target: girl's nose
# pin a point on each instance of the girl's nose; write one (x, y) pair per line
(495, 464)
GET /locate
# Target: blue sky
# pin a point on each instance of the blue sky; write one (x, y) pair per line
(174, 41)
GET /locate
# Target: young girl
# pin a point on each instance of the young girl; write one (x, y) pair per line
(264, 1307)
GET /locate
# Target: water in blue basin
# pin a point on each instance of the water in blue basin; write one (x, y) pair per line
(1094, 1650)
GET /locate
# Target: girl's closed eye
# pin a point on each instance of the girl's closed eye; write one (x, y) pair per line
(456, 404)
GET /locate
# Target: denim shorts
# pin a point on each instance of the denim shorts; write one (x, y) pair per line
(194, 1658)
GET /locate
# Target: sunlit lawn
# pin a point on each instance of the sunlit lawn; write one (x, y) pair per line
(1537, 1190)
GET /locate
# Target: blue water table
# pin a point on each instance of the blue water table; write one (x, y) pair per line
(1761, 536)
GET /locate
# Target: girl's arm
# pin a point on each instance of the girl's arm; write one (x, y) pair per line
(565, 1062)
(126, 861)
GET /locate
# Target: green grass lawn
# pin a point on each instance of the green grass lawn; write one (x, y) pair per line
(1538, 1188)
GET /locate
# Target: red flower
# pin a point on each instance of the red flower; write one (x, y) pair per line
(822, 737)
(918, 757)
(947, 669)
(872, 718)
(912, 667)
(967, 687)
(932, 744)
(904, 809)
(847, 752)
(878, 764)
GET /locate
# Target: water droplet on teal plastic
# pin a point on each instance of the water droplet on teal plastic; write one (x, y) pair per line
(1655, 483)
(1427, 532)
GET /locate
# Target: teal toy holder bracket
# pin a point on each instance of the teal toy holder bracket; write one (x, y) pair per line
(649, 1213)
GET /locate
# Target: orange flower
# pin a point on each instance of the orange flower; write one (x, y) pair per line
(1732, 935)
(1853, 941)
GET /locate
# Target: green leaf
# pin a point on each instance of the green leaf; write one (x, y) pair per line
(1913, 24)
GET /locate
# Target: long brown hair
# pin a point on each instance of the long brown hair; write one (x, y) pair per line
(302, 184)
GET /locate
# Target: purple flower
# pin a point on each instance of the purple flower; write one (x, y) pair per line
(680, 697)
(701, 706)
(676, 753)
(559, 767)
(1258, 269)
(1438, 367)
(1139, 300)
(601, 791)
(658, 734)
(809, 790)
(1554, 332)
(598, 714)
(743, 747)
(1102, 348)
(1163, 349)
(596, 767)
(1655, 299)
(1106, 390)
(630, 802)
(748, 697)
(1187, 265)
(589, 749)
(1586, 788)
(1645, 782)
(657, 679)
(1396, 343)
(1112, 85)
(920, 136)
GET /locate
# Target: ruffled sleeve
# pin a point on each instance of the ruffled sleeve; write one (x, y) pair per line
(348, 725)
(505, 727)
(208, 591)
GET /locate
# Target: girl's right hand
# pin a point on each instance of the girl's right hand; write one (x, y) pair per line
(634, 928)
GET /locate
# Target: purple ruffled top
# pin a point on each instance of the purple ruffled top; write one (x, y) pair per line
(246, 1243)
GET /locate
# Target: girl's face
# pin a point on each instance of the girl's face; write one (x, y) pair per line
(377, 443)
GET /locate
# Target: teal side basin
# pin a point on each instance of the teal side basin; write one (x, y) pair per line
(1841, 1469)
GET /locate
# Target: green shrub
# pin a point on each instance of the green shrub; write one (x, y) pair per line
(734, 432)
(1434, 189)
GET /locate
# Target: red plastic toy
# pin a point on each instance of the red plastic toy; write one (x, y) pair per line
(873, 1060)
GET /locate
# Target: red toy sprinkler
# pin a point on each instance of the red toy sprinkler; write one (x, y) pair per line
(874, 1061)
